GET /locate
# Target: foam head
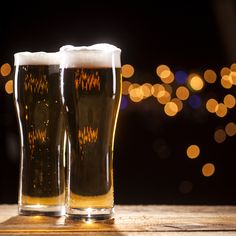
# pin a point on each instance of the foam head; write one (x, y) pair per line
(94, 56)
(37, 58)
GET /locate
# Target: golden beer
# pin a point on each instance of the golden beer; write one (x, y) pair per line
(91, 91)
(42, 133)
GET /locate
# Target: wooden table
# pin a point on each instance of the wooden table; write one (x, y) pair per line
(136, 220)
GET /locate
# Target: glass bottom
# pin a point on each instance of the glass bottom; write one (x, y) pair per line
(90, 214)
(43, 210)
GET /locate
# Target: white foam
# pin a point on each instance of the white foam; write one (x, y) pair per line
(97, 55)
(37, 58)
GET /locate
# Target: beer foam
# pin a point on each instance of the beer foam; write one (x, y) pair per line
(97, 55)
(37, 58)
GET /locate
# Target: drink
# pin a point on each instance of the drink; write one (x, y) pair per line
(91, 91)
(42, 132)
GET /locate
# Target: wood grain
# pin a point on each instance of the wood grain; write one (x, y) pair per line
(129, 220)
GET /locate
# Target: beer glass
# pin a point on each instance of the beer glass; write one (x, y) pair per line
(91, 93)
(42, 133)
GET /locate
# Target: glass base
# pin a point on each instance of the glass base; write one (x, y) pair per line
(42, 210)
(90, 214)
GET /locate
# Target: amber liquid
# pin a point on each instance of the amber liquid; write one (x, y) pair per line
(42, 132)
(92, 98)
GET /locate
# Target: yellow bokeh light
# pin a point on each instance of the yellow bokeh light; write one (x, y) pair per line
(233, 67)
(156, 88)
(193, 151)
(208, 169)
(5, 69)
(182, 93)
(225, 71)
(146, 90)
(210, 76)
(229, 101)
(125, 87)
(195, 82)
(233, 77)
(168, 88)
(230, 129)
(178, 102)
(219, 135)
(169, 79)
(171, 109)
(226, 81)
(9, 86)
(163, 97)
(127, 71)
(163, 71)
(221, 110)
(211, 105)
(135, 92)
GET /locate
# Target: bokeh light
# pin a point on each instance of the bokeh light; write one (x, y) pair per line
(5, 69)
(210, 76)
(208, 169)
(146, 90)
(135, 92)
(181, 77)
(211, 105)
(230, 129)
(178, 102)
(193, 151)
(171, 109)
(225, 71)
(219, 136)
(195, 82)
(221, 110)
(123, 103)
(9, 86)
(163, 97)
(163, 71)
(125, 87)
(195, 101)
(226, 81)
(156, 89)
(182, 93)
(229, 101)
(127, 71)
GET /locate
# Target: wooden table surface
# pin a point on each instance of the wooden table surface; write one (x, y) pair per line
(134, 220)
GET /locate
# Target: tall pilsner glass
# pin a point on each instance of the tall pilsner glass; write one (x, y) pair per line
(91, 92)
(42, 133)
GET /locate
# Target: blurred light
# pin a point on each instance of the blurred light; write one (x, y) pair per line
(211, 105)
(123, 103)
(182, 93)
(163, 97)
(230, 129)
(171, 109)
(5, 69)
(125, 87)
(156, 88)
(208, 169)
(181, 77)
(233, 67)
(146, 90)
(219, 135)
(163, 71)
(194, 101)
(178, 102)
(226, 81)
(135, 92)
(9, 86)
(233, 77)
(127, 71)
(225, 71)
(221, 110)
(169, 79)
(195, 82)
(185, 187)
(193, 151)
(210, 76)
(229, 101)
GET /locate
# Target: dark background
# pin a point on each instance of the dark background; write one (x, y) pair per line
(150, 161)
